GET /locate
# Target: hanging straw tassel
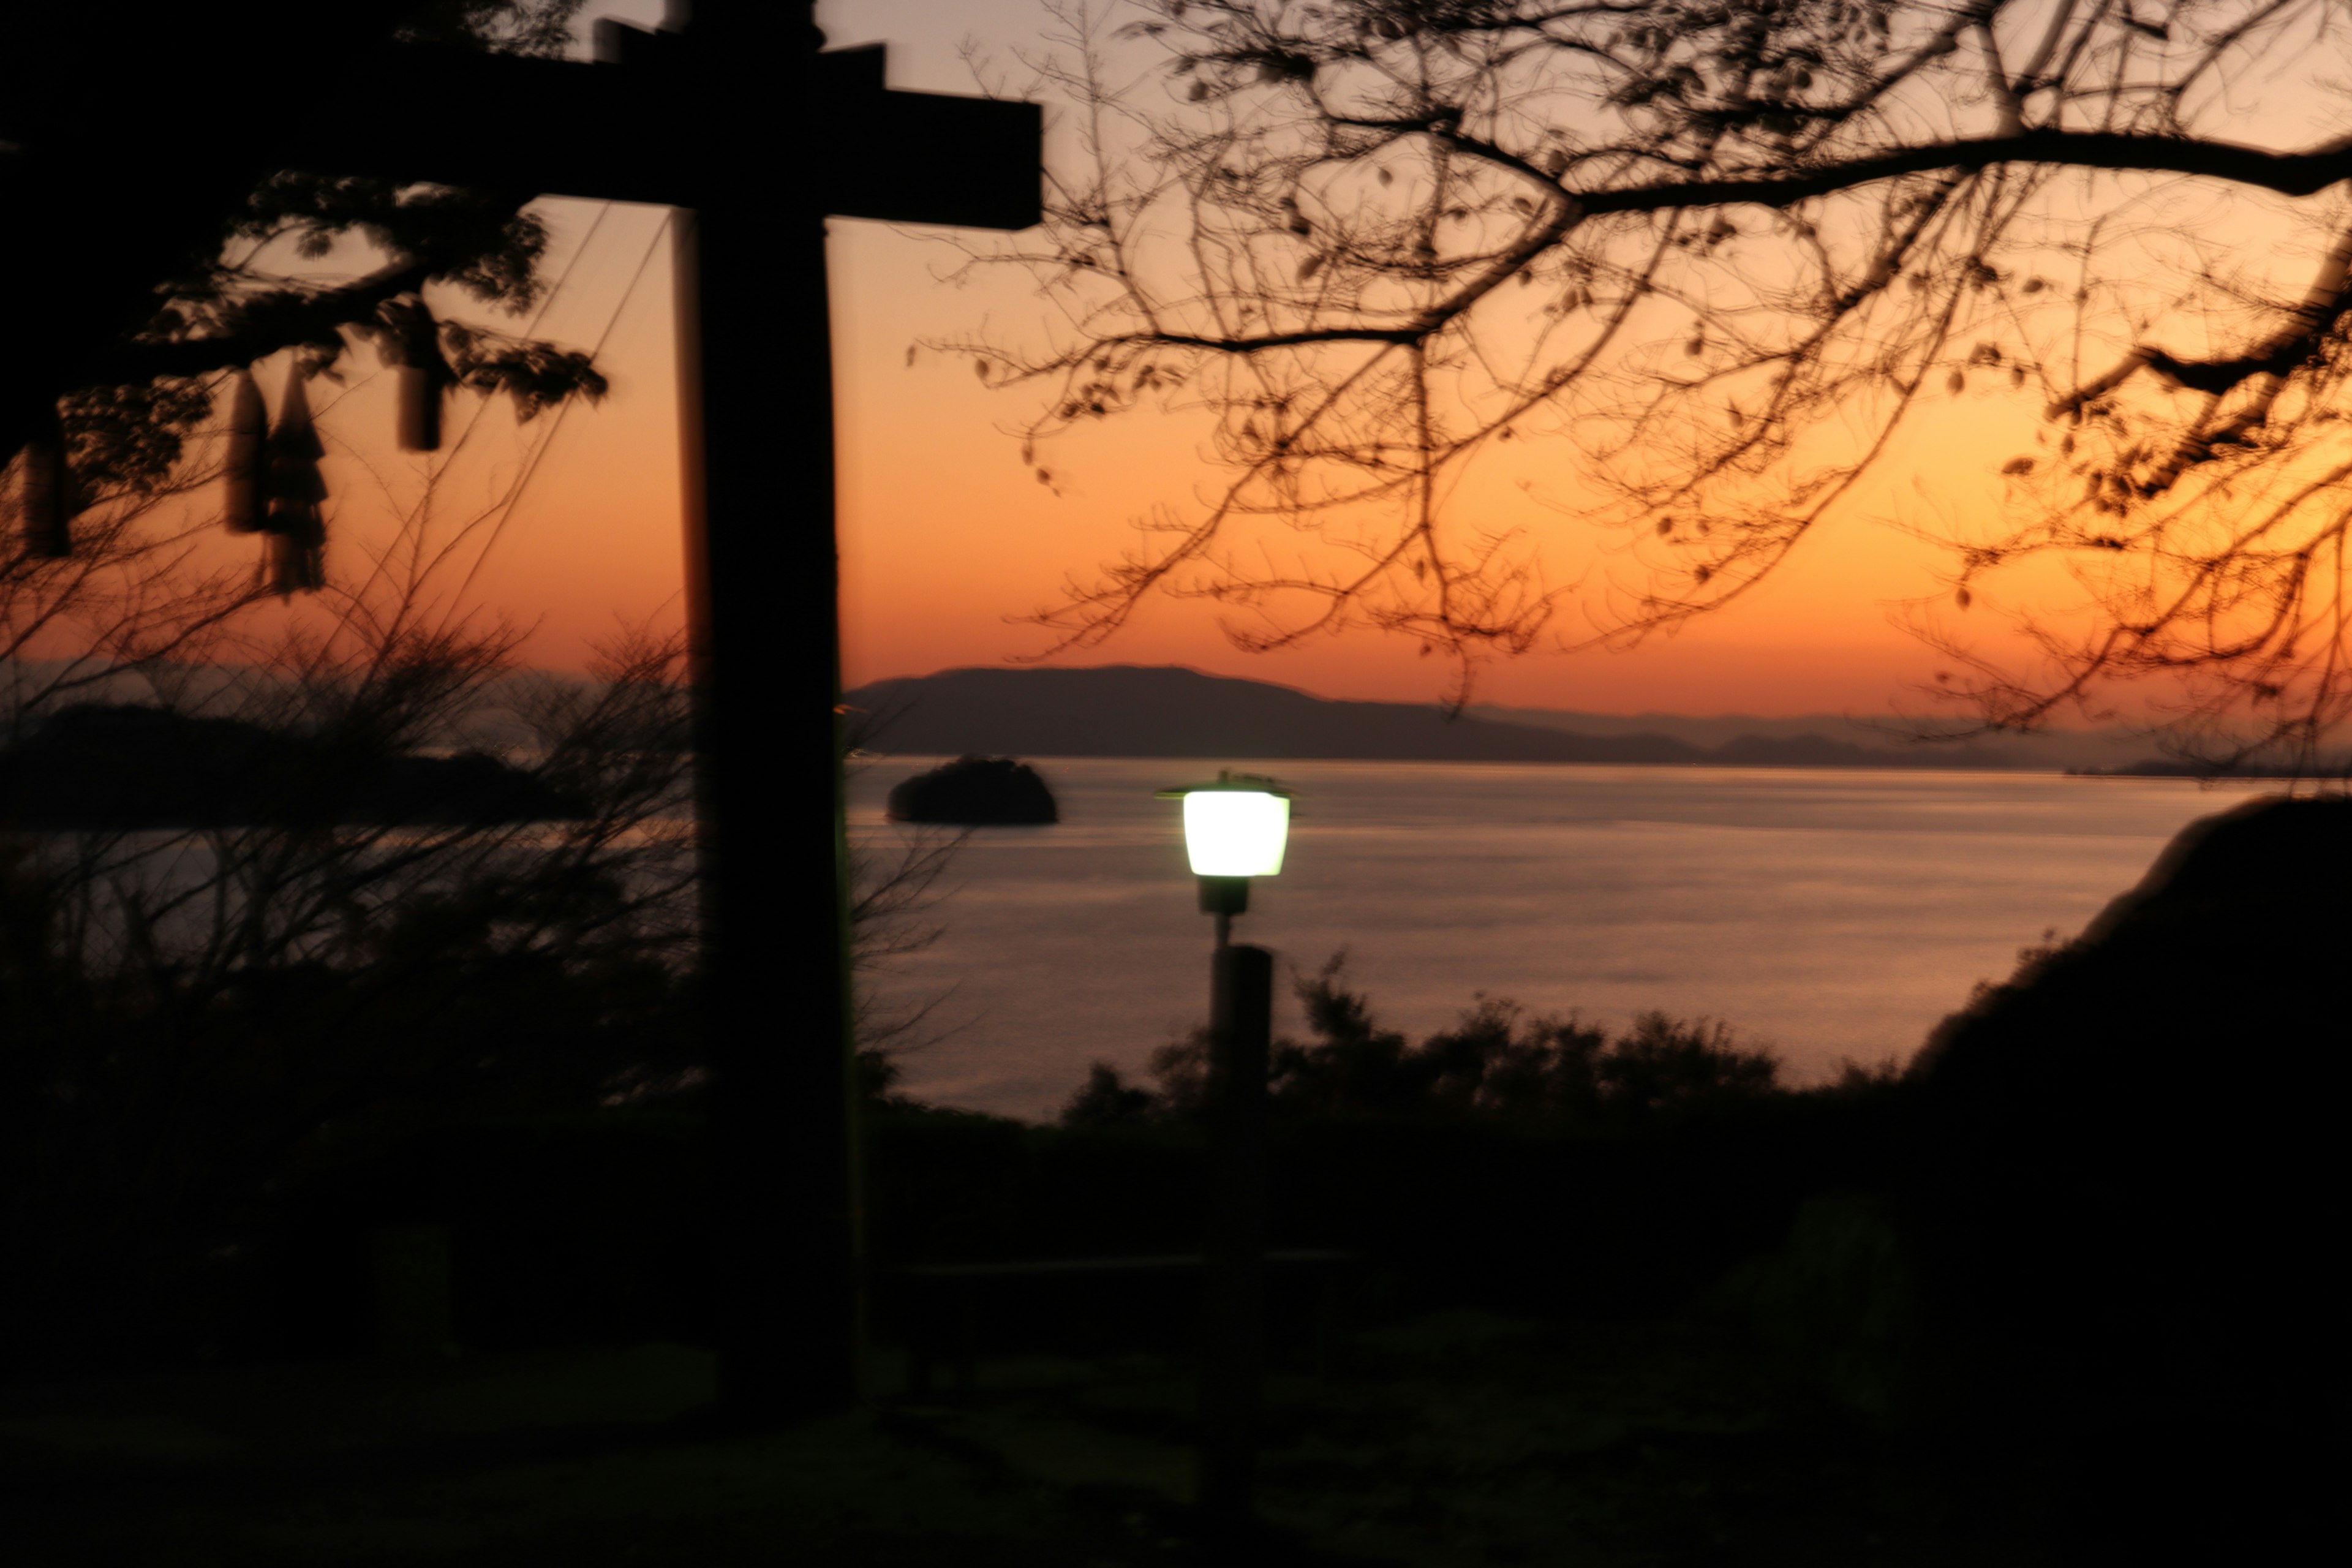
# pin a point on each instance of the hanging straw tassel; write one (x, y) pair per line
(412, 342)
(245, 472)
(296, 556)
(47, 497)
(295, 559)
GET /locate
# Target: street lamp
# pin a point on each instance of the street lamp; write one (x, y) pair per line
(1234, 829)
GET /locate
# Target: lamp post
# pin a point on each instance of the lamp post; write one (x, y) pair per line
(1234, 829)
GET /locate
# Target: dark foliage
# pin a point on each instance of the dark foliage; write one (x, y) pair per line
(187, 272)
(542, 27)
(581, 1224)
(1106, 1099)
(159, 1122)
(198, 1024)
(1529, 1163)
(975, 792)
(2125, 1188)
(564, 1227)
(1497, 1065)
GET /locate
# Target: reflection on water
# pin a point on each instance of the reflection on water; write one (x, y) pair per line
(1836, 913)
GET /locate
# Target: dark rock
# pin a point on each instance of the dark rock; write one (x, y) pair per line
(109, 768)
(975, 792)
(2127, 1198)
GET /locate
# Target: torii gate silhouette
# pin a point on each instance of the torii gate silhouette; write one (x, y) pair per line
(732, 111)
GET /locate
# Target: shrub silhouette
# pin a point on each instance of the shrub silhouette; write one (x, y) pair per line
(1511, 1161)
(1107, 1100)
(1498, 1064)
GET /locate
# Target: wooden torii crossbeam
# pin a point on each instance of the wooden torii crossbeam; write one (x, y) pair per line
(735, 114)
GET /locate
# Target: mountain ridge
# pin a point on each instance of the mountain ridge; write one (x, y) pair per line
(1169, 711)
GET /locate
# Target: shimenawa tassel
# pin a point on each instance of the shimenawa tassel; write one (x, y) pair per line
(296, 555)
(246, 471)
(47, 493)
(411, 341)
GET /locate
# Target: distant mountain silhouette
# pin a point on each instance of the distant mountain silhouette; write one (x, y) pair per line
(1136, 710)
(105, 766)
(2175, 768)
(2051, 749)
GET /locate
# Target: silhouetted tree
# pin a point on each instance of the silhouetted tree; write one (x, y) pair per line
(191, 1017)
(198, 1017)
(238, 283)
(1728, 255)
(2123, 1187)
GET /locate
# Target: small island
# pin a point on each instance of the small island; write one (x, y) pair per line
(975, 792)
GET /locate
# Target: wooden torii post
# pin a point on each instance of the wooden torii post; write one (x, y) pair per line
(734, 114)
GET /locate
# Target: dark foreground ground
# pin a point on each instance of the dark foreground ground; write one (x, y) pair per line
(1449, 1438)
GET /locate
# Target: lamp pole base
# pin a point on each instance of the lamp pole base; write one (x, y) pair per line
(1241, 1029)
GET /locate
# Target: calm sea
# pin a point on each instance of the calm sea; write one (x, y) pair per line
(1830, 913)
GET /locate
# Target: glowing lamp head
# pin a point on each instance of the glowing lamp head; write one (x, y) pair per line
(1235, 833)
(1235, 826)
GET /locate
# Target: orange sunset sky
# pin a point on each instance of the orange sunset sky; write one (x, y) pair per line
(946, 533)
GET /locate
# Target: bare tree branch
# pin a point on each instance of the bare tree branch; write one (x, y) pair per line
(1723, 256)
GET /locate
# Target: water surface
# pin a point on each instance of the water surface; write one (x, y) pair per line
(1834, 913)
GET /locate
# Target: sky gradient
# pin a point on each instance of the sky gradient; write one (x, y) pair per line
(947, 535)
